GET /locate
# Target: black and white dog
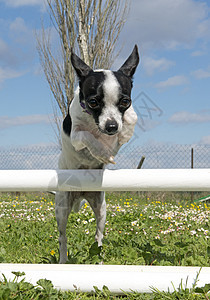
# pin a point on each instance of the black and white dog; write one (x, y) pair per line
(100, 120)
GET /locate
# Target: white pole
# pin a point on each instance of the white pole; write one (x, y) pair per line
(106, 180)
(116, 278)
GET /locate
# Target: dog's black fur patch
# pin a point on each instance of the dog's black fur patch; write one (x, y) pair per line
(92, 87)
(67, 124)
(125, 82)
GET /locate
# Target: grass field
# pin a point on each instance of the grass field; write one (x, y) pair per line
(152, 229)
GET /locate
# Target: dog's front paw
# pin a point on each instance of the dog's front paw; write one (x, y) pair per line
(124, 138)
(103, 155)
(129, 122)
(106, 159)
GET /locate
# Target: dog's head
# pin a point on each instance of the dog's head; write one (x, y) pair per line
(106, 94)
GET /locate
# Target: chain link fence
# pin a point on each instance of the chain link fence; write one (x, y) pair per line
(165, 156)
(29, 158)
(156, 157)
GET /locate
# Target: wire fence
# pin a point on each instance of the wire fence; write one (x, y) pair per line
(156, 157)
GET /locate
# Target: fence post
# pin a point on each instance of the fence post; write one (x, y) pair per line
(192, 166)
(139, 167)
(141, 162)
(192, 158)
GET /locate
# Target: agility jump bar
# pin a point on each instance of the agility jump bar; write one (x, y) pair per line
(106, 180)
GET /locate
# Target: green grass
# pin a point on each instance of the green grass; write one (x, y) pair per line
(152, 229)
(138, 231)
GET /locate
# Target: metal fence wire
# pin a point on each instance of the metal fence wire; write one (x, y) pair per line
(156, 157)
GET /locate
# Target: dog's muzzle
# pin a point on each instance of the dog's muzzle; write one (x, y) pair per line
(111, 127)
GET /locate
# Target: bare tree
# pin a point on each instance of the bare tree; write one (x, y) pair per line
(91, 28)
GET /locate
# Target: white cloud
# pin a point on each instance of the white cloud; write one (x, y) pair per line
(6, 73)
(7, 122)
(6, 55)
(167, 23)
(201, 74)
(184, 117)
(152, 65)
(198, 53)
(205, 140)
(18, 25)
(3, 47)
(17, 50)
(173, 81)
(22, 35)
(18, 3)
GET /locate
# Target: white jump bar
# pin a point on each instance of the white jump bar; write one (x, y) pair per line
(106, 180)
(117, 278)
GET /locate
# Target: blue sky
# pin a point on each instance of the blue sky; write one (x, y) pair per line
(174, 75)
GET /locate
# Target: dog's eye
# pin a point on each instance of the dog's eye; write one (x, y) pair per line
(125, 102)
(93, 103)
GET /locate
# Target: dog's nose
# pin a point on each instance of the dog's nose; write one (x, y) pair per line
(111, 127)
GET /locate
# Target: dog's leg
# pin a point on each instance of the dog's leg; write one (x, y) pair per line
(84, 139)
(129, 122)
(98, 205)
(63, 208)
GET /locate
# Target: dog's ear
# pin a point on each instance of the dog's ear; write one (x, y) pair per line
(80, 66)
(129, 66)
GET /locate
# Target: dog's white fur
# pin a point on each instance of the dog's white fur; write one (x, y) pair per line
(90, 148)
